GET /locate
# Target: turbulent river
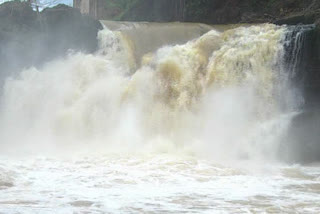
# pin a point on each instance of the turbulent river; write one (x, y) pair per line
(163, 118)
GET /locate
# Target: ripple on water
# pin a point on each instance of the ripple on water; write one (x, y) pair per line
(155, 185)
(297, 173)
(19, 202)
(6, 180)
(82, 203)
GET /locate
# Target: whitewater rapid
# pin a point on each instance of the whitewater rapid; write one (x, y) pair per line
(190, 126)
(154, 184)
(212, 91)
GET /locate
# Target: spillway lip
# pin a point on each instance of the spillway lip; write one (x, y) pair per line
(306, 26)
(125, 25)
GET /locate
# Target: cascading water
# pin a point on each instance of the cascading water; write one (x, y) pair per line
(294, 62)
(181, 117)
(295, 42)
(94, 98)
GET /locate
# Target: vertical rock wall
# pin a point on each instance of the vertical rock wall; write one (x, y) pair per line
(311, 72)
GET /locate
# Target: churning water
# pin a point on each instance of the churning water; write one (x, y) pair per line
(177, 123)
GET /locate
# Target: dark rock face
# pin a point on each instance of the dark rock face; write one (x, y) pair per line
(281, 12)
(306, 12)
(224, 11)
(17, 23)
(28, 38)
(155, 11)
(310, 72)
(67, 29)
(301, 143)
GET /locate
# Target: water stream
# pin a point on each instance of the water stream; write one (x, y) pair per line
(163, 118)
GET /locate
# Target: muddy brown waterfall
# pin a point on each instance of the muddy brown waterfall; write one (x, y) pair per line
(155, 82)
(164, 118)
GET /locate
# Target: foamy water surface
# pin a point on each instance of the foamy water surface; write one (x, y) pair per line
(154, 184)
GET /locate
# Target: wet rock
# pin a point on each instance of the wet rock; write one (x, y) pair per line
(299, 18)
(310, 72)
(294, 20)
(302, 140)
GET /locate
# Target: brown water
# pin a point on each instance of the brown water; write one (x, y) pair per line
(164, 118)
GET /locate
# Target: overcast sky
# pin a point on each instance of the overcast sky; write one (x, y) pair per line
(67, 2)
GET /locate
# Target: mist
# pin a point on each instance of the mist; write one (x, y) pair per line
(131, 117)
(193, 97)
(30, 39)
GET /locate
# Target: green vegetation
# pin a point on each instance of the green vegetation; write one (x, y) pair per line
(197, 9)
(207, 11)
(145, 9)
(121, 6)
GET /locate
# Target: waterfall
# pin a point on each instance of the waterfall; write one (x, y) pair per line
(295, 42)
(293, 66)
(204, 94)
(163, 118)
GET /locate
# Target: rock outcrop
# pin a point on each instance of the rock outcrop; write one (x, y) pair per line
(28, 38)
(219, 11)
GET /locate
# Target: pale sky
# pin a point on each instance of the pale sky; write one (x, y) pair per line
(67, 2)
